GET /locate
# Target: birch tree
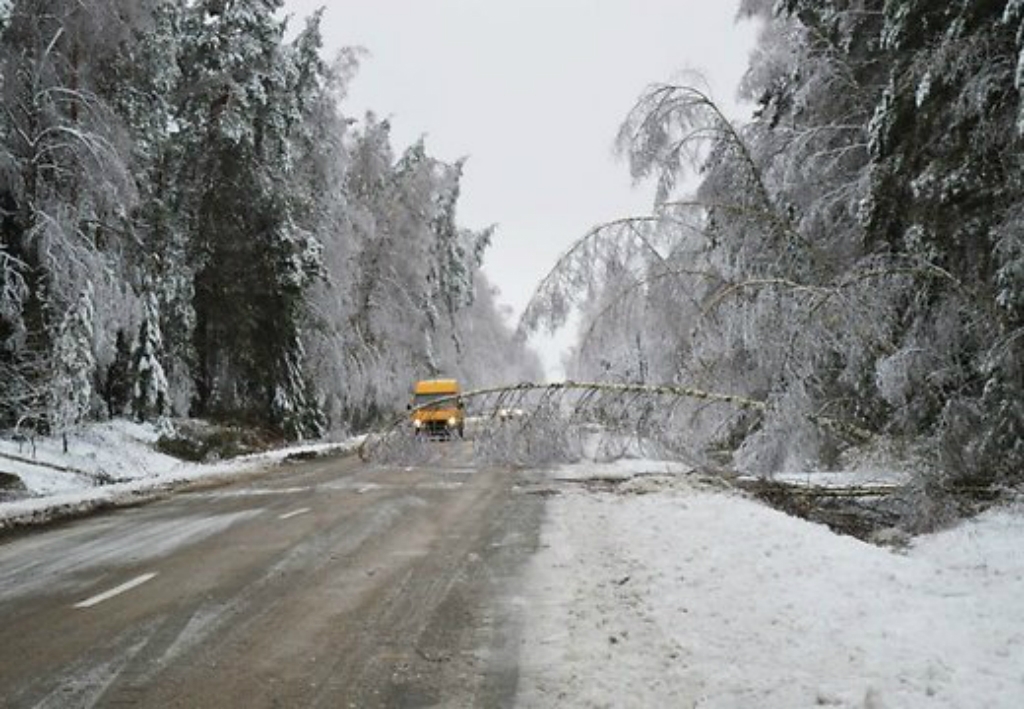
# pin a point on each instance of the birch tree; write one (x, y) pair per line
(856, 244)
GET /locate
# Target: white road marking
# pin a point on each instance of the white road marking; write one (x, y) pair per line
(294, 513)
(107, 595)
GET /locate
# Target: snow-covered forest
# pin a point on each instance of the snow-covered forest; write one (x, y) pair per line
(190, 225)
(853, 257)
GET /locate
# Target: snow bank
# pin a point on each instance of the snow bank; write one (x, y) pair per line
(686, 597)
(113, 463)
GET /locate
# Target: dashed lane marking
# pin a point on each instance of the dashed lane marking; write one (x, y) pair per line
(294, 513)
(116, 591)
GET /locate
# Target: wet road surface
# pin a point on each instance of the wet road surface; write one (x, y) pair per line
(329, 583)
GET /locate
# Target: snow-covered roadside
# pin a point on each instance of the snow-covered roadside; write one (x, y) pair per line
(694, 597)
(58, 484)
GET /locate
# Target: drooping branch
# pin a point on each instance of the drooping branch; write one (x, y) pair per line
(581, 268)
(624, 296)
(673, 128)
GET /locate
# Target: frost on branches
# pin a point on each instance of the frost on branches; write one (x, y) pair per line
(853, 251)
(252, 256)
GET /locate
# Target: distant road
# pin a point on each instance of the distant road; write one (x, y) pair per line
(330, 583)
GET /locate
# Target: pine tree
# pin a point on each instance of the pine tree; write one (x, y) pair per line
(149, 383)
(73, 367)
(179, 159)
(255, 256)
(117, 391)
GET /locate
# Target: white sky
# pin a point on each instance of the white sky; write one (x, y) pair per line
(533, 92)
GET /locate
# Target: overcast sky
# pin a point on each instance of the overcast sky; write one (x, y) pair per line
(532, 92)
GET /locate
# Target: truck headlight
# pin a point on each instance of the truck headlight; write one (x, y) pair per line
(451, 422)
(417, 424)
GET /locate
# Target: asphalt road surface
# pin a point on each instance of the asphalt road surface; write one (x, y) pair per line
(329, 583)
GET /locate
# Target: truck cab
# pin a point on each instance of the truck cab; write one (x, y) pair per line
(436, 409)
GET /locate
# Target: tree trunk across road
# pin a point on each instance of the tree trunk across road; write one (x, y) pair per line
(323, 584)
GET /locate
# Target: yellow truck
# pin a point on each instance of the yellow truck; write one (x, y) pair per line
(436, 409)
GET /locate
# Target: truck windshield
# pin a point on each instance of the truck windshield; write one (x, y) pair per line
(419, 400)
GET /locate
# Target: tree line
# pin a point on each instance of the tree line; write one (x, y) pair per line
(854, 251)
(190, 225)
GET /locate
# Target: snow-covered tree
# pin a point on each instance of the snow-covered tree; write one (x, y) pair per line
(191, 169)
(71, 386)
(854, 249)
(64, 181)
(117, 388)
(149, 389)
(254, 256)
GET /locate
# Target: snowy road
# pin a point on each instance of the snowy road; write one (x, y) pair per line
(630, 584)
(330, 583)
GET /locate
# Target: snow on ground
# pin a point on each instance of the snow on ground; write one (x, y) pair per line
(119, 451)
(673, 593)
(624, 469)
(688, 596)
